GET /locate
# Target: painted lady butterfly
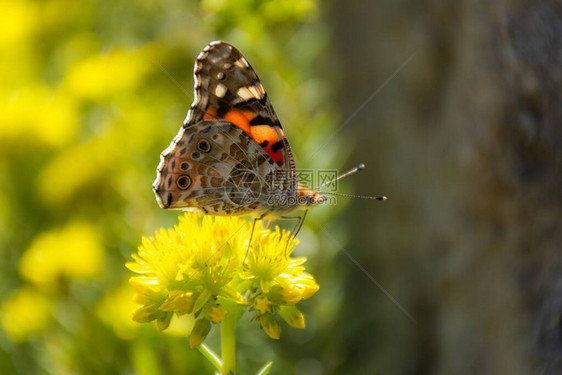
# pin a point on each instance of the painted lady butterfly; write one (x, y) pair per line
(231, 156)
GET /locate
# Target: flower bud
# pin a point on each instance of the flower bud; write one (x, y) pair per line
(285, 296)
(292, 316)
(270, 325)
(179, 302)
(199, 332)
(164, 321)
(146, 314)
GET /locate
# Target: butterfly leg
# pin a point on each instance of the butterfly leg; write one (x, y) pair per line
(251, 236)
(296, 229)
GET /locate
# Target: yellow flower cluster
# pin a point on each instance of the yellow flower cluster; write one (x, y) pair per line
(54, 258)
(201, 267)
(71, 253)
(25, 313)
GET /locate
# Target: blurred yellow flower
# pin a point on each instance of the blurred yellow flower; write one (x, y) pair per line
(25, 313)
(198, 267)
(102, 75)
(38, 113)
(73, 169)
(115, 309)
(72, 252)
(18, 21)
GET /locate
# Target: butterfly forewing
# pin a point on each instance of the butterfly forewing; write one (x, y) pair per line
(227, 87)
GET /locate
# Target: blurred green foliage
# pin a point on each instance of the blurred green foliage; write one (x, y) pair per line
(92, 92)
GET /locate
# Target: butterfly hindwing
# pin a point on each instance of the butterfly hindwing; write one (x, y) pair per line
(214, 167)
(227, 87)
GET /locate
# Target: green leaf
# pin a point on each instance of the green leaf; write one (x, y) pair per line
(265, 369)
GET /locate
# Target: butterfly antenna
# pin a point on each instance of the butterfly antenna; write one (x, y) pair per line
(351, 171)
(381, 198)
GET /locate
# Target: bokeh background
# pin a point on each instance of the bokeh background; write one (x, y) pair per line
(455, 108)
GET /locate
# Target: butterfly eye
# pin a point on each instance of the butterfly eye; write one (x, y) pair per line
(184, 182)
(203, 145)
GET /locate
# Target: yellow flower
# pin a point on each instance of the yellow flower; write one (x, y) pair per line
(25, 313)
(297, 286)
(214, 312)
(200, 268)
(57, 125)
(263, 305)
(101, 75)
(19, 20)
(72, 252)
(268, 259)
(115, 310)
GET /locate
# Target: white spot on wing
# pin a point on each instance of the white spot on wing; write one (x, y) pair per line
(220, 90)
(260, 89)
(245, 93)
(242, 63)
(254, 92)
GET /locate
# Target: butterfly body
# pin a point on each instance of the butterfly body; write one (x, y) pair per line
(231, 156)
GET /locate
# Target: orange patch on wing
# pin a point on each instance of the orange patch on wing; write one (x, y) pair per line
(263, 133)
(210, 114)
(238, 119)
(249, 115)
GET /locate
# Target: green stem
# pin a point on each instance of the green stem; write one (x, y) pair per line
(228, 344)
(210, 355)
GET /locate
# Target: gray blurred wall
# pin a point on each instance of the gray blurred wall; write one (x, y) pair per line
(467, 143)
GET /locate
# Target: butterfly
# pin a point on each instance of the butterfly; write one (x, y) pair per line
(231, 156)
